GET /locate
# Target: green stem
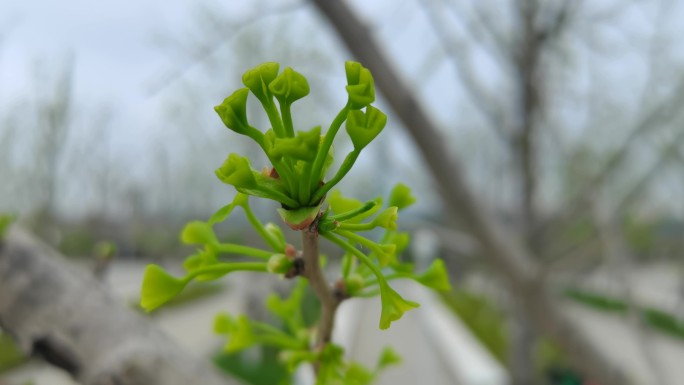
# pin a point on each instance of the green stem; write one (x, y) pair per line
(276, 340)
(231, 248)
(259, 227)
(344, 169)
(325, 147)
(356, 226)
(353, 213)
(256, 135)
(225, 268)
(286, 175)
(275, 195)
(274, 117)
(304, 185)
(357, 253)
(346, 264)
(287, 119)
(360, 240)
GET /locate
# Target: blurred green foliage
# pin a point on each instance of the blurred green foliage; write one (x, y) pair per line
(256, 366)
(657, 319)
(10, 355)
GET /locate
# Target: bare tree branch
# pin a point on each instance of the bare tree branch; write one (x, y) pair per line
(66, 316)
(511, 261)
(459, 54)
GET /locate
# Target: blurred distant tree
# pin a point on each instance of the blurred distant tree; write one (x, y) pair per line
(519, 67)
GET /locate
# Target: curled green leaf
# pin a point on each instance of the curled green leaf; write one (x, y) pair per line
(363, 127)
(258, 79)
(360, 85)
(236, 171)
(233, 113)
(302, 147)
(289, 86)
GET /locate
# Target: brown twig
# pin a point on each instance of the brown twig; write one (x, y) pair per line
(314, 273)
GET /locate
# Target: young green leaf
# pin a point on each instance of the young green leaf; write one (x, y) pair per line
(289, 86)
(393, 305)
(241, 337)
(302, 147)
(401, 196)
(198, 233)
(159, 287)
(233, 113)
(387, 358)
(436, 276)
(363, 127)
(236, 171)
(258, 79)
(387, 218)
(224, 324)
(360, 85)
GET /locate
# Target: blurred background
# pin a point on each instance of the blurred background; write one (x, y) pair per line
(564, 118)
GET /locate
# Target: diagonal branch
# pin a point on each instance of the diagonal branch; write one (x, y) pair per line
(512, 262)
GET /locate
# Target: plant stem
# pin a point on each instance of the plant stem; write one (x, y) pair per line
(319, 285)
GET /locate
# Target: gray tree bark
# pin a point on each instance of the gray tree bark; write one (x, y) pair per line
(66, 316)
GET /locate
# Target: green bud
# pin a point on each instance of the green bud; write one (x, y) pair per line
(360, 86)
(258, 79)
(233, 111)
(236, 171)
(401, 196)
(364, 127)
(387, 218)
(302, 147)
(354, 283)
(158, 287)
(301, 218)
(289, 86)
(436, 276)
(393, 306)
(276, 233)
(279, 264)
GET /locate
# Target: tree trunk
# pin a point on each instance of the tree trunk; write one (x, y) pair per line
(66, 316)
(511, 260)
